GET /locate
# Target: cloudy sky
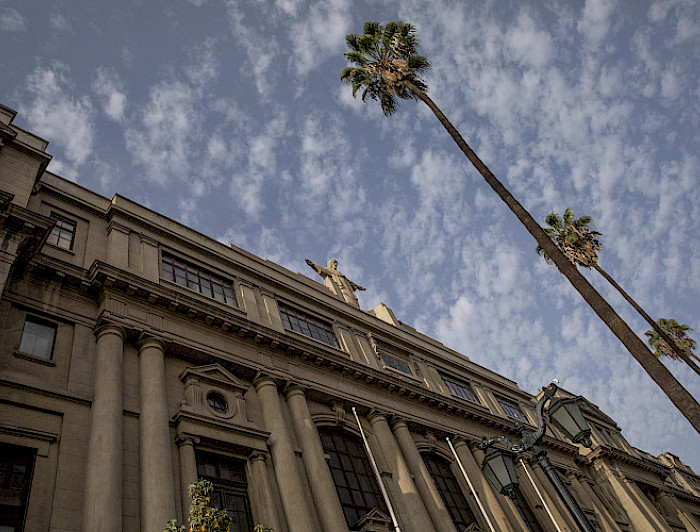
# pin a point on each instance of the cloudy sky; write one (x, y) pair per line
(229, 116)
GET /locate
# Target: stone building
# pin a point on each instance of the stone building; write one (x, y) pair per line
(138, 355)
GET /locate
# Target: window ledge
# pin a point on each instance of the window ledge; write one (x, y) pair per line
(188, 290)
(34, 358)
(54, 246)
(402, 374)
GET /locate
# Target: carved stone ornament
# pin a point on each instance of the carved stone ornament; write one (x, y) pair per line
(374, 521)
(214, 392)
(339, 413)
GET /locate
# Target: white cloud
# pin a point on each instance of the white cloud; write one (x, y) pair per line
(12, 20)
(596, 20)
(319, 34)
(59, 22)
(162, 143)
(110, 91)
(529, 45)
(55, 112)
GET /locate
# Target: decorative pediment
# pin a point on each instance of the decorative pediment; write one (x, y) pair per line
(374, 521)
(215, 374)
(215, 393)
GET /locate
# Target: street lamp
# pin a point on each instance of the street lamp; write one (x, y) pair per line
(566, 416)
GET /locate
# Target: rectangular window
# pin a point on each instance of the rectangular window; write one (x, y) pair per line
(16, 465)
(197, 279)
(510, 408)
(396, 363)
(295, 320)
(38, 338)
(460, 388)
(63, 233)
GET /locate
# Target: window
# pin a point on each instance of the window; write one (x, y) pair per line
(510, 408)
(16, 464)
(38, 338)
(230, 487)
(525, 512)
(196, 279)
(449, 490)
(63, 233)
(217, 403)
(460, 388)
(295, 320)
(352, 474)
(396, 363)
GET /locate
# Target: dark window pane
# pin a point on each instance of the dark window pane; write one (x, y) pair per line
(63, 233)
(364, 494)
(38, 338)
(396, 363)
(307, 325)
(460, 389)
(197, 279)
(449, 490)
(510, 408)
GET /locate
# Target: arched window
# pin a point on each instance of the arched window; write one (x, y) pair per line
(352, 473)
(449, 490)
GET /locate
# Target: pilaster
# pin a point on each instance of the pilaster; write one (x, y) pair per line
(102, 505)
(292, 490)
(157, 485)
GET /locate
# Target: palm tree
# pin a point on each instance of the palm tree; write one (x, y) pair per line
(674, 339)
(580, 245)
(385, 67)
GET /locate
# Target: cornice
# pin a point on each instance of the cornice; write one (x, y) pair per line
(621, 457)
(102, 279)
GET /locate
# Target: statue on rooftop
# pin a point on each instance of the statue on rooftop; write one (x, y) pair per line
(336, 282)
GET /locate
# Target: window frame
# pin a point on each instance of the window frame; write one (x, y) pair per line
(449, 489)
(32, 355)
(194, 278)
(357, 478)
(399, 361)
(508, 405)
(312, 327)
(62, 230)
(458, 383)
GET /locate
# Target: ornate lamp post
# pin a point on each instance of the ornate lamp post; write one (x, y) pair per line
(566, 416)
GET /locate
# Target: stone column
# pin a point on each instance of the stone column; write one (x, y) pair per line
(502, 517)
(102, 503)
(411, 505)
(424, 482)
(292, 490)
(157, 486)
(559, 510)
(188, 469)
(323, 489)
(639, 510)
(608, 522)
(263, 499)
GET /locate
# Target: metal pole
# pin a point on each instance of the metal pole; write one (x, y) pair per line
(471, 486)
(571, 504)
(537, 490)
(376, 473)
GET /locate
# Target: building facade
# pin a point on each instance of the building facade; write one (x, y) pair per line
(138, 355)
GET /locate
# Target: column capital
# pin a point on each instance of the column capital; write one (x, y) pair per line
(293, 389)
(146, 341)
(104, 328)
(261, 381)
(186, 439)
(258, 456)
(376, 416)
(459, 441)
(398, 423)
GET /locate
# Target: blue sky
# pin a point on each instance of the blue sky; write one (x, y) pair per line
(229, 116)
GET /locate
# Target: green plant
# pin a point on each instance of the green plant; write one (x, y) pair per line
(202, 517)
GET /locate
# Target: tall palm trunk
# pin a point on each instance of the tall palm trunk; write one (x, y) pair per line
(665, 337)
(678, 395)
